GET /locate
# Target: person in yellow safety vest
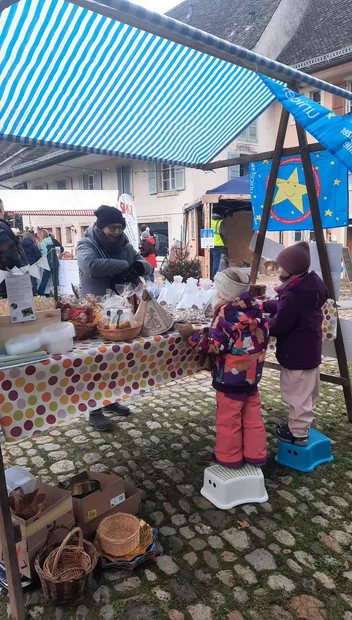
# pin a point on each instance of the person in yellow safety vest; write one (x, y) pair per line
(217, 224)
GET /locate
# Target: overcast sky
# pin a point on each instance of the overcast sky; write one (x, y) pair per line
(158, 5)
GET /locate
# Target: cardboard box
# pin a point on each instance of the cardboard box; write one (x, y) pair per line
(35, 531)
(130, 505)
(99, 503)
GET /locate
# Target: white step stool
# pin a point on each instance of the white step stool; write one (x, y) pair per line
(226, 488)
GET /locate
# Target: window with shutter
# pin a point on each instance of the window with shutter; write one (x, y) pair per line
(233, 171)
(124, 180)
(250, 134)
(348, 102)
(153, 183)
(179, 178)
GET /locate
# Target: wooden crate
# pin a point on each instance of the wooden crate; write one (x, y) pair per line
(10, 330)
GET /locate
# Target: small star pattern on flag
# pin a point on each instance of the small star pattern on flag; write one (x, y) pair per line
(290, 208)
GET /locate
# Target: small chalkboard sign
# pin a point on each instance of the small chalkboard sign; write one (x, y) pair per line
(347, 262)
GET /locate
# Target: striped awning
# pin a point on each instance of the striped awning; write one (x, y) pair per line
(77, 79)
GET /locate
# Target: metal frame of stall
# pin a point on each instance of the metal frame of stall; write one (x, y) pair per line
(214, 47)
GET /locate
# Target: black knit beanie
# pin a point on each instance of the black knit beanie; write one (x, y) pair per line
(109, 215)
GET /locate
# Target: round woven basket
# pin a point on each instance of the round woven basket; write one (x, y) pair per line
(84, 331)
(63, 569)
(119, 534)
(120, 335)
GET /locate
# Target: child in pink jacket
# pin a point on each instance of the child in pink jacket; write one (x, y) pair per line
(237, 342)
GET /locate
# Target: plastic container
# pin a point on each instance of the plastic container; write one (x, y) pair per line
(58, 338)
(306, 458)
(226, 488)
(18, 477)
(25, 343)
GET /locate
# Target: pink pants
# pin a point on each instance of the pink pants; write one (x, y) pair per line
(240, 432)
(300, 390)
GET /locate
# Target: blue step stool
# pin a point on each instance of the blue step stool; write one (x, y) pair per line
(305, 458)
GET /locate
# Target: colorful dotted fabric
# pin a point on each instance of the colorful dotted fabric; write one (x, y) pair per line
(36, 397)
(329, 320)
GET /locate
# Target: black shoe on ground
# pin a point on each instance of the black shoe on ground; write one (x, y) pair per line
(99, 421)
(117, 409)
(284, 434)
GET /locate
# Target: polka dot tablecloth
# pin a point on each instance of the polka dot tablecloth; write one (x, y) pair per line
(36, 397)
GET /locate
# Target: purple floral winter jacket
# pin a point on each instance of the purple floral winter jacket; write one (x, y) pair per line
(297, 322)
(237, 339)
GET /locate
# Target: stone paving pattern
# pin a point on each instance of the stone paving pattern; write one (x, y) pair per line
(286, 559)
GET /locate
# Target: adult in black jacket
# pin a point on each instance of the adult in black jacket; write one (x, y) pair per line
(11, 251)
(33, 254)
(31, 249)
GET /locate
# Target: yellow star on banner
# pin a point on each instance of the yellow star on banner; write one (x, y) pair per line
(254, 196)
(337, 219)
(337, 182)
(325, 197)
(291, 189)
(265, 161)
(332, 163)
(262, 206)
(317, 155)
(258, 218)
(317, 167)
(331, 115)
(328, 213)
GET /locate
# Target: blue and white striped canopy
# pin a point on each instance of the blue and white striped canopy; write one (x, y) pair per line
(73, 78)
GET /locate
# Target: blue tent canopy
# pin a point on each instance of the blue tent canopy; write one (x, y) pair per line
(233, 187)
(115, 79)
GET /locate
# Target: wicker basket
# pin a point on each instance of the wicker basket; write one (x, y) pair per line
(84, 331)
(120, 335)
(119, 534)
(63, 569)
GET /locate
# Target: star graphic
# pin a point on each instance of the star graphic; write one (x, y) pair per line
(332, 163)
(337, 219)
(317, 167)
(325, 197)
(254, 196)
(317, 155)
(258, 218)
(291, 189)
(331, 115)
(265, 161)
(262, 206)
(337, 182)
(328, 213)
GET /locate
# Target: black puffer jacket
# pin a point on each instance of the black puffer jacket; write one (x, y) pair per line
(31, 249)
(11, 252)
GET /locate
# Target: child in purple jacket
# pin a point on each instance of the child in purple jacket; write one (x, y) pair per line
(237, 342)
(297, 325)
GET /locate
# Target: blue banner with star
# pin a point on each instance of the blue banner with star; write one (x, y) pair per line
(334, 132)
(290, 209)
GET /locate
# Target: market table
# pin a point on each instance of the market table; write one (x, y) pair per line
(35, 397)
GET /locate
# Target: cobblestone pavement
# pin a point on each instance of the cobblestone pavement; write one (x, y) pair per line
(286, 559)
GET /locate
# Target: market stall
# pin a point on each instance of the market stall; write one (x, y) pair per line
(57, 109)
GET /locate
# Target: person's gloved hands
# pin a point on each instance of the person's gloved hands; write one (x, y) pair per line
(137, 268)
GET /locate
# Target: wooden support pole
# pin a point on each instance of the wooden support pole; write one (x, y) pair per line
(207, 252)
(55, 262)
(8, 545)
(247, 159)
(280, 140)
(324, 260)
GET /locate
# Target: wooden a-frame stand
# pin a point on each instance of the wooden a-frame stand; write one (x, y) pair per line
(304, 150)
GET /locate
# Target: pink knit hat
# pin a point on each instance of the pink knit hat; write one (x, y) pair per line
(295, 259)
